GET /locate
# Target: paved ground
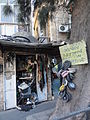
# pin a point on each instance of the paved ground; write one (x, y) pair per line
(44, 115)
(44, 109)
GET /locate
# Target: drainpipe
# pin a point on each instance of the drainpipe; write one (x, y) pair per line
(70, 20)
(32, 16)
(50, 24)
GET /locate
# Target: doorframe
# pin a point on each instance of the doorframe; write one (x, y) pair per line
(4, 82)
(16, 72)
(15, 79)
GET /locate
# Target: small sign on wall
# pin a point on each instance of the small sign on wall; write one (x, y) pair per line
(76, 53)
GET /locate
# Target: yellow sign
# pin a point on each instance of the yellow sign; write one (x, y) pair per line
(76, 53)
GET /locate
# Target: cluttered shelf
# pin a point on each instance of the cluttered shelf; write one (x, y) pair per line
(25, 78)
(21, 69)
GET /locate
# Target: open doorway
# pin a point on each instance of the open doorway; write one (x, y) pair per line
(25, 79)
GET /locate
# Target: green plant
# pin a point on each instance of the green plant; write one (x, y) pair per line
(25, 10)
(43, 16)
(7, 10)
(20, 18)
(46, 10)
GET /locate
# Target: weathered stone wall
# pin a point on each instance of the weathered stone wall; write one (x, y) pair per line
(59, 17)
(81, 96)
(1, 83)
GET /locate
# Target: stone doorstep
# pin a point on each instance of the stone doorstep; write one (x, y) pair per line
(45, 115)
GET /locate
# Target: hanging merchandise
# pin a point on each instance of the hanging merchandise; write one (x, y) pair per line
(66, 75)
(41, 72)
(10, 57)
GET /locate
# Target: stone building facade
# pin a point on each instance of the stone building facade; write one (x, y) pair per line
(60, 17)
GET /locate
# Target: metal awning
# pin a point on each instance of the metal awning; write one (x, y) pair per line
(26, 42)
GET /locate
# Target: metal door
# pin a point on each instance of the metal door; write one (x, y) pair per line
(41, 79)
(10, 81)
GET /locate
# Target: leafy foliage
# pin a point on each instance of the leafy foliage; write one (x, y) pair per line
(69, 6)
(20, 18)
(7, 10)
(49, 7)
(24, 10)
(43, 16)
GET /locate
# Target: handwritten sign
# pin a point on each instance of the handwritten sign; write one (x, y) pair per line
(76, 53)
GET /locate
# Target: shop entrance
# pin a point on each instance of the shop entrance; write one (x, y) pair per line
(25, 79)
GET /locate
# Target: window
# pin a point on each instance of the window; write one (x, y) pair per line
(11, 1)
(15, 28)
(3, 1)
(5, 18)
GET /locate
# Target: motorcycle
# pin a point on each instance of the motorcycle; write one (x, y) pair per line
(26, 99)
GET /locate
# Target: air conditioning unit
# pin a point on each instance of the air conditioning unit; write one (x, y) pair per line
(63, 28)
